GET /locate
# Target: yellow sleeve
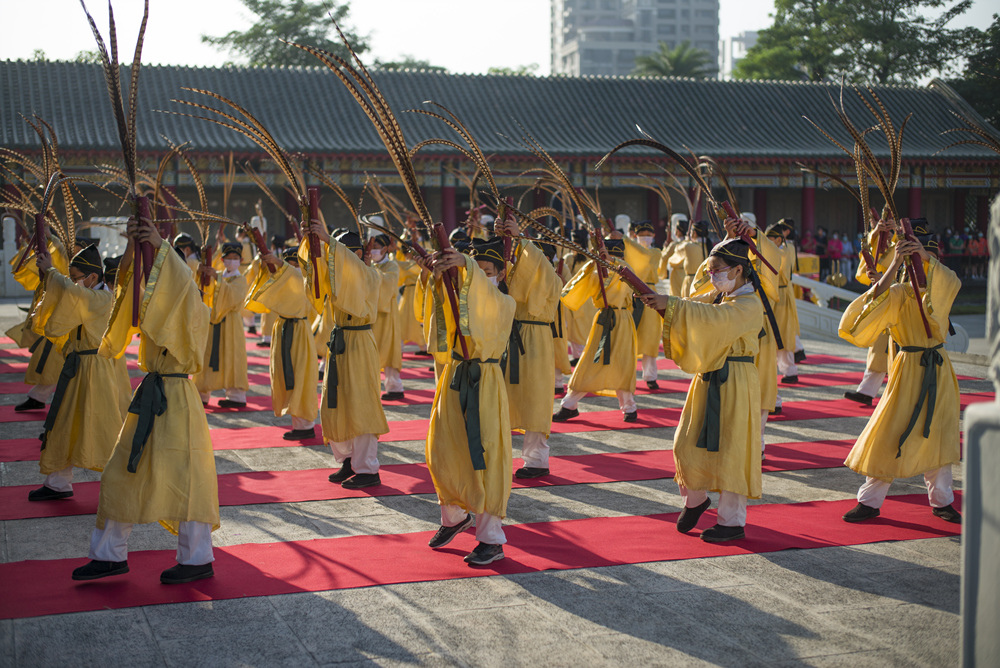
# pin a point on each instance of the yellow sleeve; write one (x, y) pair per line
(229, 296)
(943, 285)
(768, 279)
(485, 314)
(533, 282)
(63, 307)
(585, 285)
(308, 270)
(698, 336)
(120, 331)
(389, 282)
(353, 286)
(283, 292)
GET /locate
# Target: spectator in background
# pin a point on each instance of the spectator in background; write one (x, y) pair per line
(820, 248)
(846, 256)
(977, 251)
(834, 249)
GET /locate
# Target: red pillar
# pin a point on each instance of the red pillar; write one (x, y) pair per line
(913, 210)
(653, 215)
(760, 206)
(448, 213)
(808, 216)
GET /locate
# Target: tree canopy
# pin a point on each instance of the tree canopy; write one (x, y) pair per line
(521, 70)
(877, 41)
(681, 61)
(980, 83)
(302, 21)
(408, 62)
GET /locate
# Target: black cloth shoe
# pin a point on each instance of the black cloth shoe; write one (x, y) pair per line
(652, 385)
(776, 411)
(29, 404)
(720, 534)
(574, 361)
(445, 534)
(100, 569)
(689, 516)
(559, 391)
(321, 375)
(800, 356)
(529, 472)
(228, 403)
(180, 573)
(485, 553)
(790, 379)
(392, 396)
(299, 434)
(423, 353)
(344, 473)
(859, 397)
(632, 417)
(948, 514)
(44, 493)
(263, 344)
(252, 329)
(860, 513)
(565, 414)
(362, 480)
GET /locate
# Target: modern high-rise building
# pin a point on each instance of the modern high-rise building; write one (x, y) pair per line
(606, 36)
(732, 50)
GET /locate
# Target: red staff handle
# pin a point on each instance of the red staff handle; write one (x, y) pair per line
(637, 284)
(915, 272)
(731, 212)
(450, 285)
(142, 258)
(258, 241)
(882, 241)
(207, 252)
(508, 242)
(314, 252)
(142, 205)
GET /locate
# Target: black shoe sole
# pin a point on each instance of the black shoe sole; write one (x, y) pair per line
(464, 527)
(193, 578)
(86, 578)
(712, 539)
(854, 520)
(524, 474)
(54, 496)
(346, 484)
(489, 561)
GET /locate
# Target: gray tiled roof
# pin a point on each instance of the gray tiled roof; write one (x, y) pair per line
(309, 111)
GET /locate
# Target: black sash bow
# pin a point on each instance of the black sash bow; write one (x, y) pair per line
(287, 369)
(606, 319)
(465, 381)
(213, 357)
(148, 402)
(930, 359)
(44, 357)
(337, 346)
(709, 436)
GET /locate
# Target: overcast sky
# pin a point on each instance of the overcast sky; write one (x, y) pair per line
(461, 35)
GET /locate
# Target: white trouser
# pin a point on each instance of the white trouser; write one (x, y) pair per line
(786, 363)
(649, 368)
(870, 383)
(763, 424)
(939, 493)
(777, 401)
(535, 450)
(626, 400)
(576, 350)
(234, 394)
(42, 393)
(392, 381)
(249, 320)
(489, 528)
(560, 380)
(194, 543)
(363, 451)
(798, 343)
(61, 481)
(732, 506)
(265, 338)
(302, 423)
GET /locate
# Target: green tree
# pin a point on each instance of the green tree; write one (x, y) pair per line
(980, 83)
(408, 62)
(87, 56)
(681, 61)
(303, 21)
(521, 70)
(38, 55)
(878, 41)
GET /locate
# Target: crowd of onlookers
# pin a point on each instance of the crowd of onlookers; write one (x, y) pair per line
(965, 252)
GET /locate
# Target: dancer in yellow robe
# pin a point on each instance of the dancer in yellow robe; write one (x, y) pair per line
(915, 427)
(678, 232)
(225, 366)
(608, 361)
(560, 346)
(162, 468)
(577, 323)
(786, 313)
(388, 330)
(351, 414)
(294, 367)
(410, 330)
(644, 260)
(468, 441)
(690, 254)
(91, 397)
(717, 441)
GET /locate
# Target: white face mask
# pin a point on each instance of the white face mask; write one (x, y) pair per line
(646, 241)
(495, 280)
(723, 284)
(377, 254)
(231, 265)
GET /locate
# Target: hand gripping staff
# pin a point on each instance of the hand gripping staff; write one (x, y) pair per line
(915, 272)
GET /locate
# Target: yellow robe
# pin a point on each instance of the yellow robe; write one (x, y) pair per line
(675, 278)
(430, 313)
(388, 335)
(46, 357)
(767, 359)
(644, 262)
(535, 286)
(352, 290)
(577, 322)
(28, 275)
(699, 337)
(322, 326)
(878, 354)
(175, 479)
(863, 322)
(410, 330)
(785, 310)
(225, 296)
(485, 322)
(687, 257)
(96, 398)
(619, 374)
(285, 295)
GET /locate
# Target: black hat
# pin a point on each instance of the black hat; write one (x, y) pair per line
(778, 229)
(184, 240)
(381, 239)
(111, 268)
(547, 249)
(351, 240)
(88, 261)
(277, 241)
(615, 247)
(489, 250)
(232, 247)
(682, 226)
(734, 252)
(924, 235)
(458, 234)
(83, 241)
(290, 254)
(701, 228)
(581, 236)
(643, 226)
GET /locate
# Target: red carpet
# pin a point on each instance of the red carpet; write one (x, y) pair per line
(35, 588)
(238, 489)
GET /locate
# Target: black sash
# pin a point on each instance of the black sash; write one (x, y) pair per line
(557, 326)
(213, 357)
(337, 345)
(68, 373)
(148, 402)
(44, 357)
(516, 344)
(465, 381)
(709, 436)
(606, 319)
(930, 359)
(637, 308)
(287, 369)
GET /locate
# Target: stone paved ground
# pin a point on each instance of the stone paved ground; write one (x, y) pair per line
(890, 603)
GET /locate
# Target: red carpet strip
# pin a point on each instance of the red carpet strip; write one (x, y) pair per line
(35, 588)
(239, 489)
